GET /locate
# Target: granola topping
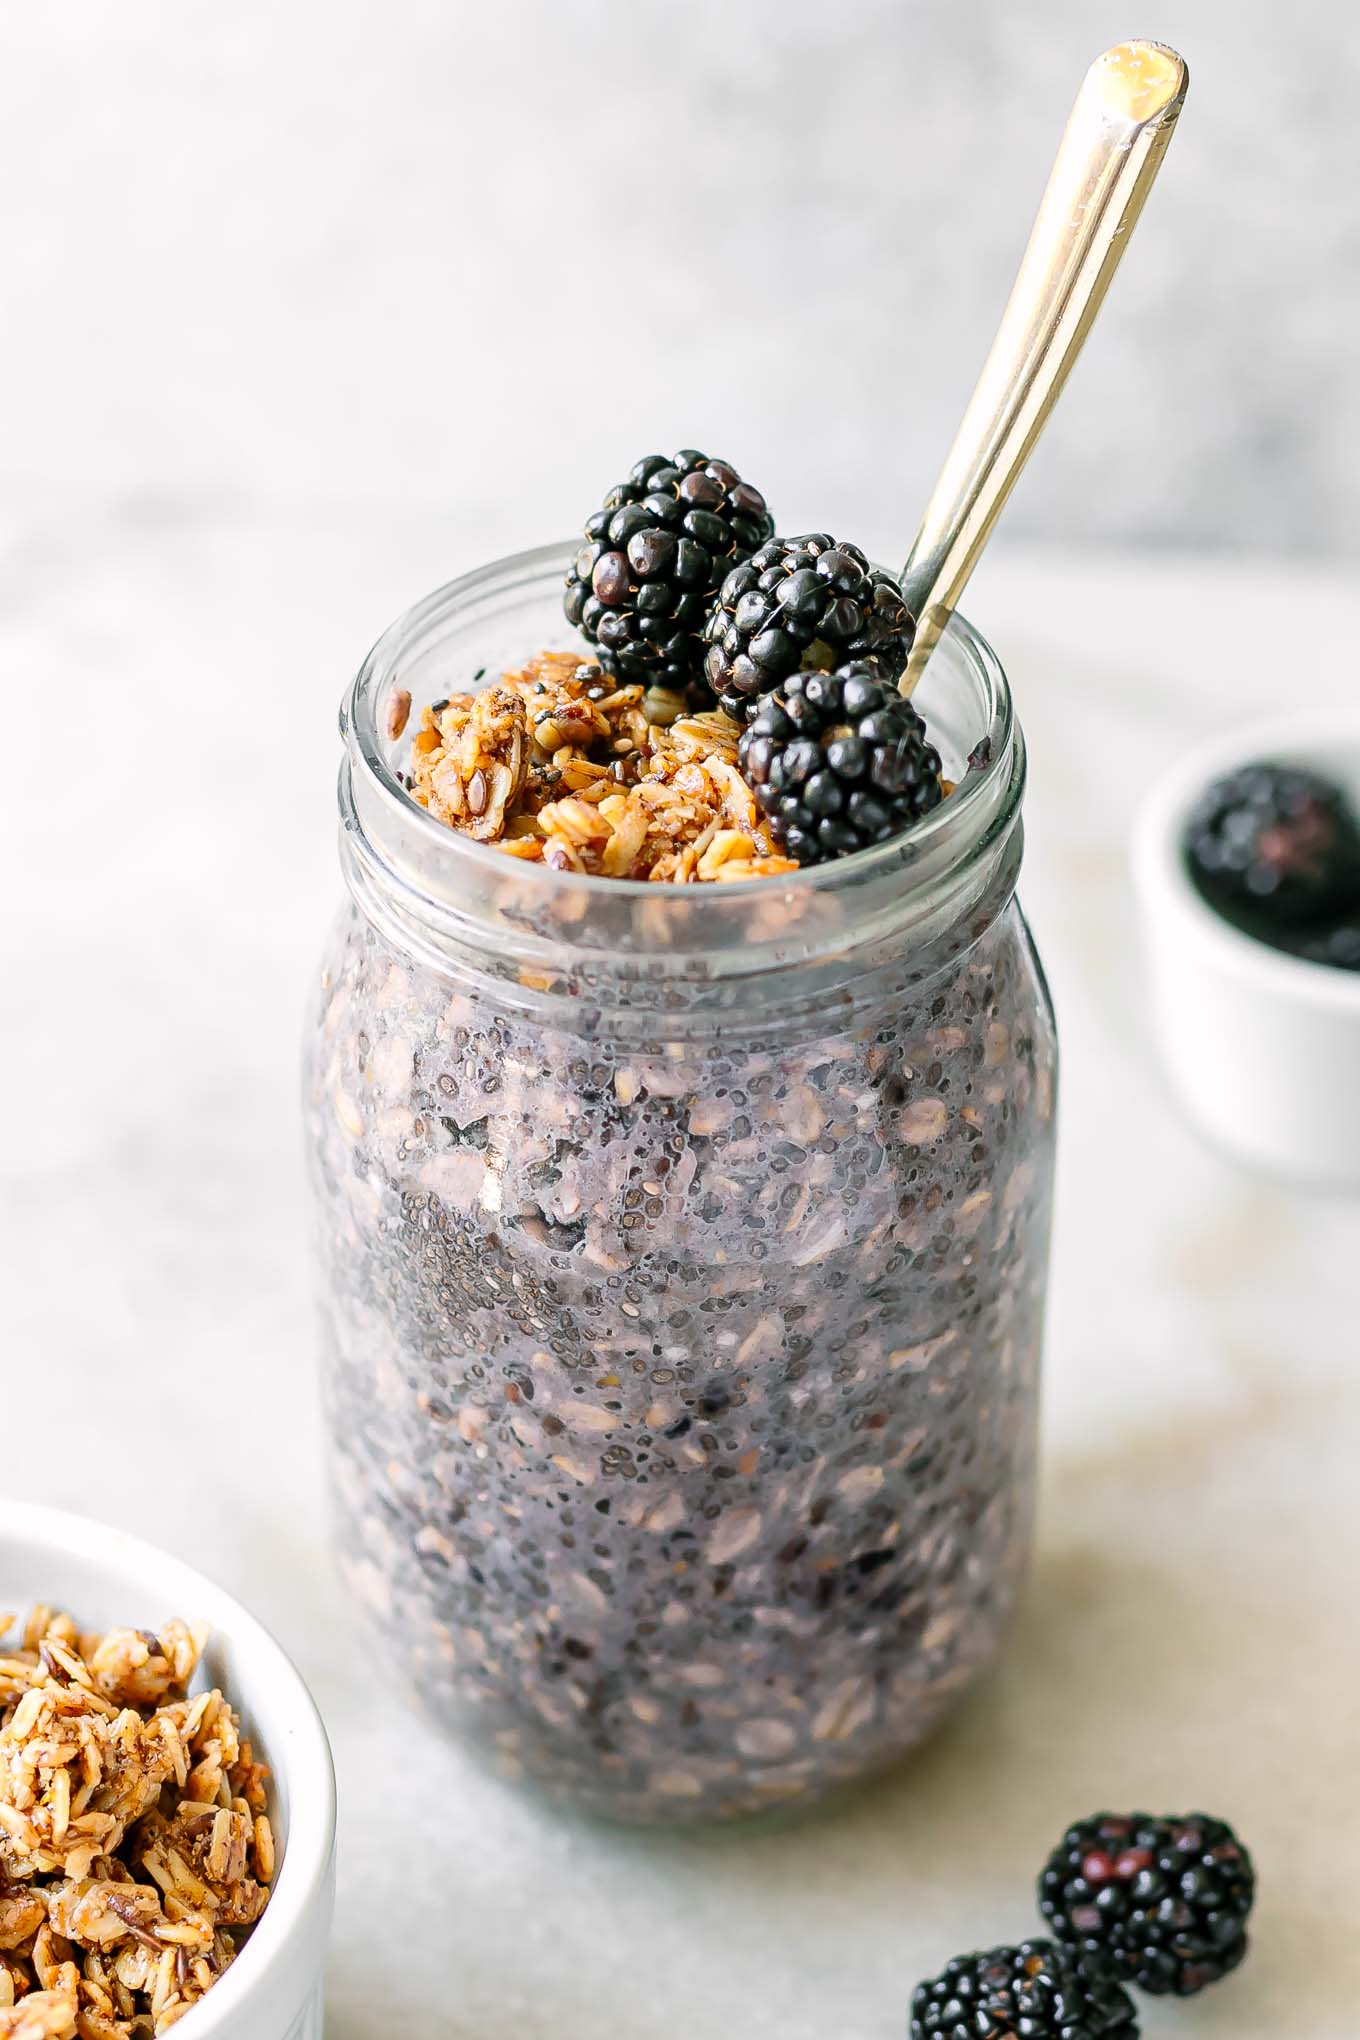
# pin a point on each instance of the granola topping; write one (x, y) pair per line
(135, 1843)
(556, 764)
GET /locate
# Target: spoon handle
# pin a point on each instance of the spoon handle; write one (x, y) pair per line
(1112, 150)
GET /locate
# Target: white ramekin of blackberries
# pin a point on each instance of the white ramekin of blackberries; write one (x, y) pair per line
(1247, 858)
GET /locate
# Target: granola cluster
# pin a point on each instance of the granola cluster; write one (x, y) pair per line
(135, 1849)
(555, 763)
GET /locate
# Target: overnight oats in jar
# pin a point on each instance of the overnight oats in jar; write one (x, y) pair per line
(683, 1189)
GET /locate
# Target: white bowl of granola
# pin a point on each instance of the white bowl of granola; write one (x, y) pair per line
(167, 1800)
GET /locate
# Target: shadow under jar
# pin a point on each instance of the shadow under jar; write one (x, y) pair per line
(683, 1255)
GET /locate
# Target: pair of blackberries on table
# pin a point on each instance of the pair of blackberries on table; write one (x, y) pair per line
(1159, 1903)
(1275, 849)
(680, 584)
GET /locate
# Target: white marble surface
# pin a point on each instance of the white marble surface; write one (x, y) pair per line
(171, 681)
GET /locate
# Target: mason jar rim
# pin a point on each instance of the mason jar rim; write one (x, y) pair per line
(475, 893)
(359, 725)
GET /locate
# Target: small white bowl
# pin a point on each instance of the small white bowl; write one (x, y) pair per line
(1264, 1048)
(273, 1990)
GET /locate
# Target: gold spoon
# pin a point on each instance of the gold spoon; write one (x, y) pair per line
(1117, 135)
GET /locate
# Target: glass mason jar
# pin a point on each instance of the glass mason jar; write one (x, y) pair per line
(683, 1254)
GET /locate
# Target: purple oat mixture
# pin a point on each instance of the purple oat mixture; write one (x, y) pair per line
(682, 1402)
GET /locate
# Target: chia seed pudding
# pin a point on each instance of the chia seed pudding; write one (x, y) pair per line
(683, 1253)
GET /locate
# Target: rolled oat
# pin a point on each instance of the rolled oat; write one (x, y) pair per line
(555, 764)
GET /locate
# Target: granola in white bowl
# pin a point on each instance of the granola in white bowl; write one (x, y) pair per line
(136, 1851)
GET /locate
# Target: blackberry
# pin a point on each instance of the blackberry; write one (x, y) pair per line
(1338, 945)
(838, 761)
(1161, 1903)
(1274, 846)
(802, 603)
(653, 559)
(1037, 1989)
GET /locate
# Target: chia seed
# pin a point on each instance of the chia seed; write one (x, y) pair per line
(795, 1590)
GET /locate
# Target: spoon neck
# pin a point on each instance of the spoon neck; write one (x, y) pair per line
(1113, 147)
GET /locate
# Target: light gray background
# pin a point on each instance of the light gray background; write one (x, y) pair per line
(472, 258)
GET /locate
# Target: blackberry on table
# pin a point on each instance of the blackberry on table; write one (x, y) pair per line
(1274, 846)
(802, 603)
(1038, 1991)
(838, 761)
(653, 558)
(1161, 1902)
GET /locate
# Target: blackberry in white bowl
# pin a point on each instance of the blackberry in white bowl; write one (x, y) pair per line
(1276, 848)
